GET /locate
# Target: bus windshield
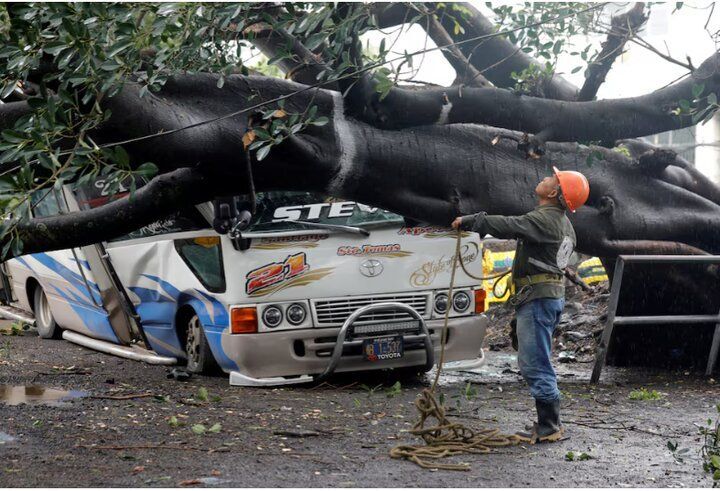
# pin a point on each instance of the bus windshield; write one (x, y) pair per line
(275, 208)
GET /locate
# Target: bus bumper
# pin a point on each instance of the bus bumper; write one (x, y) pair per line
(299, 356)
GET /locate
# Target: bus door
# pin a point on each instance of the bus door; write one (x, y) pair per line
(121, 314)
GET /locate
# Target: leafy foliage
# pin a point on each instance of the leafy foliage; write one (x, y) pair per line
(644, 394)
(710, 451)
(579, 457)
(554, 36)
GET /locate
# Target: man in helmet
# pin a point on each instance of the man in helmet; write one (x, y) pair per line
(545, 241)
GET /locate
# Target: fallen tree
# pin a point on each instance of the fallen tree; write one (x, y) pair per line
(428, 153)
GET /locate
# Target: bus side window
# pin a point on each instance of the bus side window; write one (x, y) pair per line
(203, 255)
(46, 203)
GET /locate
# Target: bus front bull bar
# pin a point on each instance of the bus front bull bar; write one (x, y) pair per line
(348, 324)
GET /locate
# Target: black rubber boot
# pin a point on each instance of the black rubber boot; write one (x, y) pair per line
(548, 428)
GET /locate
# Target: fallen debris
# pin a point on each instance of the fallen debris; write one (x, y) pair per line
(178, 374)
(567, 357)
(296, 433)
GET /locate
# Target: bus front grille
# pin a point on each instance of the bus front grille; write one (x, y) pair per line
(335, 311)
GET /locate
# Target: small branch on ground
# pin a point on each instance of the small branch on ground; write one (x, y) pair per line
(124, 397)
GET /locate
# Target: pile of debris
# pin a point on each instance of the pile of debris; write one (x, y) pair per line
(576, 336)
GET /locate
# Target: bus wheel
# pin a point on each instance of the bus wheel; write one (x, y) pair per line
(199, 357)
(46, 326)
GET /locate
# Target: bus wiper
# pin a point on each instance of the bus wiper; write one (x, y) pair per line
(328, 226)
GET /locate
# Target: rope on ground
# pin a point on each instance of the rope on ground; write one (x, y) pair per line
(444, 438)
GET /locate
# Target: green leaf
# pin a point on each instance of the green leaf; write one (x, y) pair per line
(256, 144)
(262, 133)
(215, 428)
(54, 48)
(715, 461)
(321, 121)
(8, 89)
(262, 153)
(697, 90)
(118, 48)
(712, 98)
(148, 170)
(13, 136)
(315, 40)
(198, 429)
(202, 394)
(173, 421)
(123, 159)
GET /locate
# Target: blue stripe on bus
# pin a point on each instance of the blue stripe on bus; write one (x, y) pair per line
(157, 312)
(67, 274)
(82, 262)
(220, 315)
(95, 320)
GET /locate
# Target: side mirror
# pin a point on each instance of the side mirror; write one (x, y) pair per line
(240, 223)
(225, 211)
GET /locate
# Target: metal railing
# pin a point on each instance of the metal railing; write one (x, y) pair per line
(613, 320)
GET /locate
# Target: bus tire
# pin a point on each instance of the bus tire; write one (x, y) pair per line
(200, 359)
(47, 328)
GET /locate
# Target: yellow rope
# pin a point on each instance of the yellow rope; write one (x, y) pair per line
(445, 438)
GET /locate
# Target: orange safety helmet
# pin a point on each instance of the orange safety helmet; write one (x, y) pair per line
(574, 187)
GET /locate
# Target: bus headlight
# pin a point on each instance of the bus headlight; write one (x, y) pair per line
(296, 314)
(272, 316)
(441, 303)
(461, 301)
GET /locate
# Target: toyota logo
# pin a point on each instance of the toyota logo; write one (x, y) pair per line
(371, 268)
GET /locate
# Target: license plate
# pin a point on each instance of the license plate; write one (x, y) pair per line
(386, 348)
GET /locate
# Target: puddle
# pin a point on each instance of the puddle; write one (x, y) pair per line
(501, 367)
(5, 438)
(12, 395)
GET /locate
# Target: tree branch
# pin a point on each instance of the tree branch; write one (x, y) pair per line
(605, 120)
(466, 73)
(623, 27)
(158, 199)
(495, 57)
(303, 66)
(679, 172)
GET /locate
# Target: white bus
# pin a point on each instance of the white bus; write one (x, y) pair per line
(307, 287)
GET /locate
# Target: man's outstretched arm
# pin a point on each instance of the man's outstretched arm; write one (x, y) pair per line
(501, 227)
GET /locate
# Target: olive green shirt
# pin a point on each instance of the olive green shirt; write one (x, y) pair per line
(545, 235)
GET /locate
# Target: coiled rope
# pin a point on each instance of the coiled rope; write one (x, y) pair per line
(443, 438)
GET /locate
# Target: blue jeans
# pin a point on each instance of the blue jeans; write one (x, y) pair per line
(536, 321)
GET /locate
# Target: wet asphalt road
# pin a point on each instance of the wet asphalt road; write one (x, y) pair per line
(342, 432)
